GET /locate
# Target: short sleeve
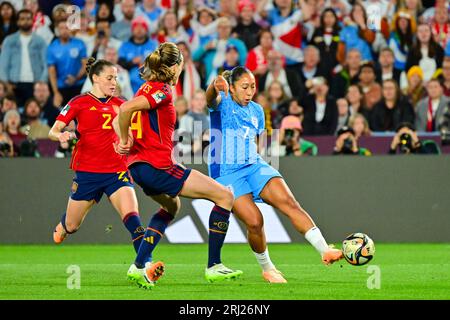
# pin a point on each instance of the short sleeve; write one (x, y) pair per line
(156, 97)
(69, 112)
(51, 60)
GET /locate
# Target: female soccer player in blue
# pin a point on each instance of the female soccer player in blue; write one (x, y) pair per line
(236, 121)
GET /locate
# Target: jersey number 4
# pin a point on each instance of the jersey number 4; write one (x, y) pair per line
(136, 124)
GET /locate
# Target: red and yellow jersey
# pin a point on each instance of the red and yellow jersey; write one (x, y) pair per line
(153, 129)
(94, 151)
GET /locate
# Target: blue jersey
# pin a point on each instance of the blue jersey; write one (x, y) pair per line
(232, 136)
(67, 58)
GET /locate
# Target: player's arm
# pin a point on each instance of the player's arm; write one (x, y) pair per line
(126, 112)
(213, 97)
(56, 133)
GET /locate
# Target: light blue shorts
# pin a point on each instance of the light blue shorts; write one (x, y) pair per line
(250, 179)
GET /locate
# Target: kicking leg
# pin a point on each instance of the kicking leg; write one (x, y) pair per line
(277, 194)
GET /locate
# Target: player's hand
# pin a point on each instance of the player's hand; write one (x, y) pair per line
(124, 148)
(220, 84)
(65, 136)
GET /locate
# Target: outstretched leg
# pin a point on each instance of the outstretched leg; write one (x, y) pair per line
(277, 194)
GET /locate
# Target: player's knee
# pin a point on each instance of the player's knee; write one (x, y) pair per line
(255, 226)
(173, 207)
(228, 197)
(225, 198)
(290, 204)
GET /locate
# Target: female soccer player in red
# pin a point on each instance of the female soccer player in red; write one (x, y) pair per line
(151, 117)
(236, 121)
(98, 168)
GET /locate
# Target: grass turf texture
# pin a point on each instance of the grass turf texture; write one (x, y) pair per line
(408, 271)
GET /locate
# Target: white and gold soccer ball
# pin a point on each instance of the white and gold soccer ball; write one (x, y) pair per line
(358, 249)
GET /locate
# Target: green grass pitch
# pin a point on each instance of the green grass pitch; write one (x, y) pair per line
(406, 271)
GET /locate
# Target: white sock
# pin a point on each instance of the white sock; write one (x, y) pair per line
(264, 260)
(314, 236)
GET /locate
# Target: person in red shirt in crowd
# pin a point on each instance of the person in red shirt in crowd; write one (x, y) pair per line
(98, 168)
(151, 116)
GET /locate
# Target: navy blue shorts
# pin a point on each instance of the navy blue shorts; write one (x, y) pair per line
(91, 186)
(159, 181)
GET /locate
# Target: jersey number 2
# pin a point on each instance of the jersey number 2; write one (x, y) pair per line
(106, 124)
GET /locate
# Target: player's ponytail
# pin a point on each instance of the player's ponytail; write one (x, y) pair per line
(94, 66)
(157, 65)
(231, 76)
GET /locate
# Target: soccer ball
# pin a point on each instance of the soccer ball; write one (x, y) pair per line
(358, 249)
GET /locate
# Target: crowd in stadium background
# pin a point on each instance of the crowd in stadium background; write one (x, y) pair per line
(323, 67)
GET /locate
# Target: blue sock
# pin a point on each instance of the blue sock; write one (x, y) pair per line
(154, 233)
(132, 222)
(218, 226)
(63, 222)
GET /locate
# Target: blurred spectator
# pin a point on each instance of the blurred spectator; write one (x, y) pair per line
(360, 125)
(310, 67)
(133, 52)
(430, 110)
(4, 90)
(441, 26)
(341, 7)
(97, 46)
(277, 98)
(9, 102)
(66, 58)
(121, 29)
(347, 75)
(446, 76)
(425, 53)
(34, 127)
(290, 80)
(59, 13)
(6, 144)
(347, 144)
(357, 101)
(415, 90)
(196, 122)
(413, 7)
(41, 22)
(123, 88)
(8, 20)
(387, 68)
(391, 110)
(22, 60)
(321, 114)
(326, 39)
(184, 9)
(90, 9)
(291, 130)
(231, 59)
(41, 93)
(105, 12)
(285, 20)
(356, 35)
(371, 89)
(247, 29)
(171, 30)
(212, 55)
(152, 12)
(406, 141)
(202, 28)
(181, 107)
(228, 9)
(262, 100)
(343, 113)
(257, 57)
(11, 125)
(189, 79)
(402, 36)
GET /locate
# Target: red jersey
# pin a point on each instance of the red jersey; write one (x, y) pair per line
(94, 151)
(153, 129)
